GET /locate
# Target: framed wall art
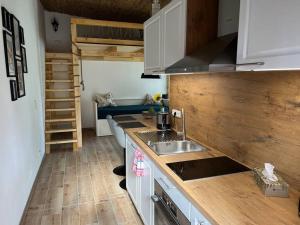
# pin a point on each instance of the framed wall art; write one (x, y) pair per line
(24, 59)
(9, 54)
(6, 22)
(20, 79)
(13, 90)
(22, 35)
(16, 35)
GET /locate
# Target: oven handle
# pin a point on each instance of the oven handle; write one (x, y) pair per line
(157, 199)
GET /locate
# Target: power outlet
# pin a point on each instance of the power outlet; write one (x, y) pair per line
(178, 113)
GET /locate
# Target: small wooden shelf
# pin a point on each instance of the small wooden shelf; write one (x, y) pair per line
(63, 141)
(53, 131)
(59, 90)
(59, 81)
(60, 99)
(61, 63)
(54, 120)
(60, 110)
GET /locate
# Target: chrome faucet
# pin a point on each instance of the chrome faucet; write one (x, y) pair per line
(183, 132)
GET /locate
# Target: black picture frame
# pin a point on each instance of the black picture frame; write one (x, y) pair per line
(6, 21)
(4, 17)
(9, 54)
(15, 27)
(13, 90)
(24, 59)
(20, 78)
(22, 39)
(3, 13)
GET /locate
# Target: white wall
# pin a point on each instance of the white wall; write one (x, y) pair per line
(21, 122)
(123, 79)
(59, 41)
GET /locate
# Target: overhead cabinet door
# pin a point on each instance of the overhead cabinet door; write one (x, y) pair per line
(152, 42)
(269, 34)
(174, 23)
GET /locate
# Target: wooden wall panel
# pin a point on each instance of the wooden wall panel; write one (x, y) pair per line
(253, 117)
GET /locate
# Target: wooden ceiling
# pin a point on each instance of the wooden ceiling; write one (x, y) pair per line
(116, 10)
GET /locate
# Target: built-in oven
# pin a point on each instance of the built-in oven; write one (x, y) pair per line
(166, 212)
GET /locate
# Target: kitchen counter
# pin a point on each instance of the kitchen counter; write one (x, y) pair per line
(224, 200)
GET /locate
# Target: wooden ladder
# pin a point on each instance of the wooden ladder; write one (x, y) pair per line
(62, 101)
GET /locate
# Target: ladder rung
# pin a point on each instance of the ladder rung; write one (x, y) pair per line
(59, 81)
(60, 120)
(61, 63)
(52, 131)
(63, 141)
(60, 99)
(59, 90)
(59, 71)
(60, 110)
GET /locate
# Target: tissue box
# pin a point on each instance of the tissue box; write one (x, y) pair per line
(271, 188)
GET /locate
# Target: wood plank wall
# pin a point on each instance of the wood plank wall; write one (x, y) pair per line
(253, 117)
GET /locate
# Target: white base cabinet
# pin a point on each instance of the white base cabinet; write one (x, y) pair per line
(269, 32)
(140, 189)
(132, 181)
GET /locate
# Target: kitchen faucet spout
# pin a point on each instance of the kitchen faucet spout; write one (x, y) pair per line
(183, 132)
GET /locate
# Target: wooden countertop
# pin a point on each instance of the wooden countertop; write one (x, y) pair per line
(225, 200)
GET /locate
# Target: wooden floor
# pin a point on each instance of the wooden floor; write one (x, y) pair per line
(80, 188)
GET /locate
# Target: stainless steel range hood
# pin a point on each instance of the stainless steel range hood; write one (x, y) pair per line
(217, 56)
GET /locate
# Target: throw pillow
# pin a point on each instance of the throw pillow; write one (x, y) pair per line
(104, 100)
(149, 100)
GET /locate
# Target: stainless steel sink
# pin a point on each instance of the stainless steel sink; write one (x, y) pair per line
(175, 147)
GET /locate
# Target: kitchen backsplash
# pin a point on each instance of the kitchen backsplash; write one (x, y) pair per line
(254, 117)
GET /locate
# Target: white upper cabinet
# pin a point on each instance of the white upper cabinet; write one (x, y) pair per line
(153, 43)
(174, 25)
(164, 37)
(269, 32)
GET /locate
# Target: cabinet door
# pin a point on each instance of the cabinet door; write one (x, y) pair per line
(269, 32)
(152, 43)
(147, 206)
(131, 179)
(174, 24)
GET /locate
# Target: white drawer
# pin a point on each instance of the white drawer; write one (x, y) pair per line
(183, 204)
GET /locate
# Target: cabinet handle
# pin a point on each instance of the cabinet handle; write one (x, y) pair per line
(250, 64)
(165, 183)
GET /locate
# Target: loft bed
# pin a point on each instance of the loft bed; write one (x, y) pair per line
(106, 41)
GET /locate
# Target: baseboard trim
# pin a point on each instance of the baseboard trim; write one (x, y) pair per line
(31, 192)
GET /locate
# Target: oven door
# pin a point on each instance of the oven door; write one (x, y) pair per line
(162, 214)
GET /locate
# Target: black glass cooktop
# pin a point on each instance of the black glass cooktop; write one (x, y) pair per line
(123, 118)
(209, 167)
(131, 125)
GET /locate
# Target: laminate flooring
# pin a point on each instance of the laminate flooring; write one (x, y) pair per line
(79, 188)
